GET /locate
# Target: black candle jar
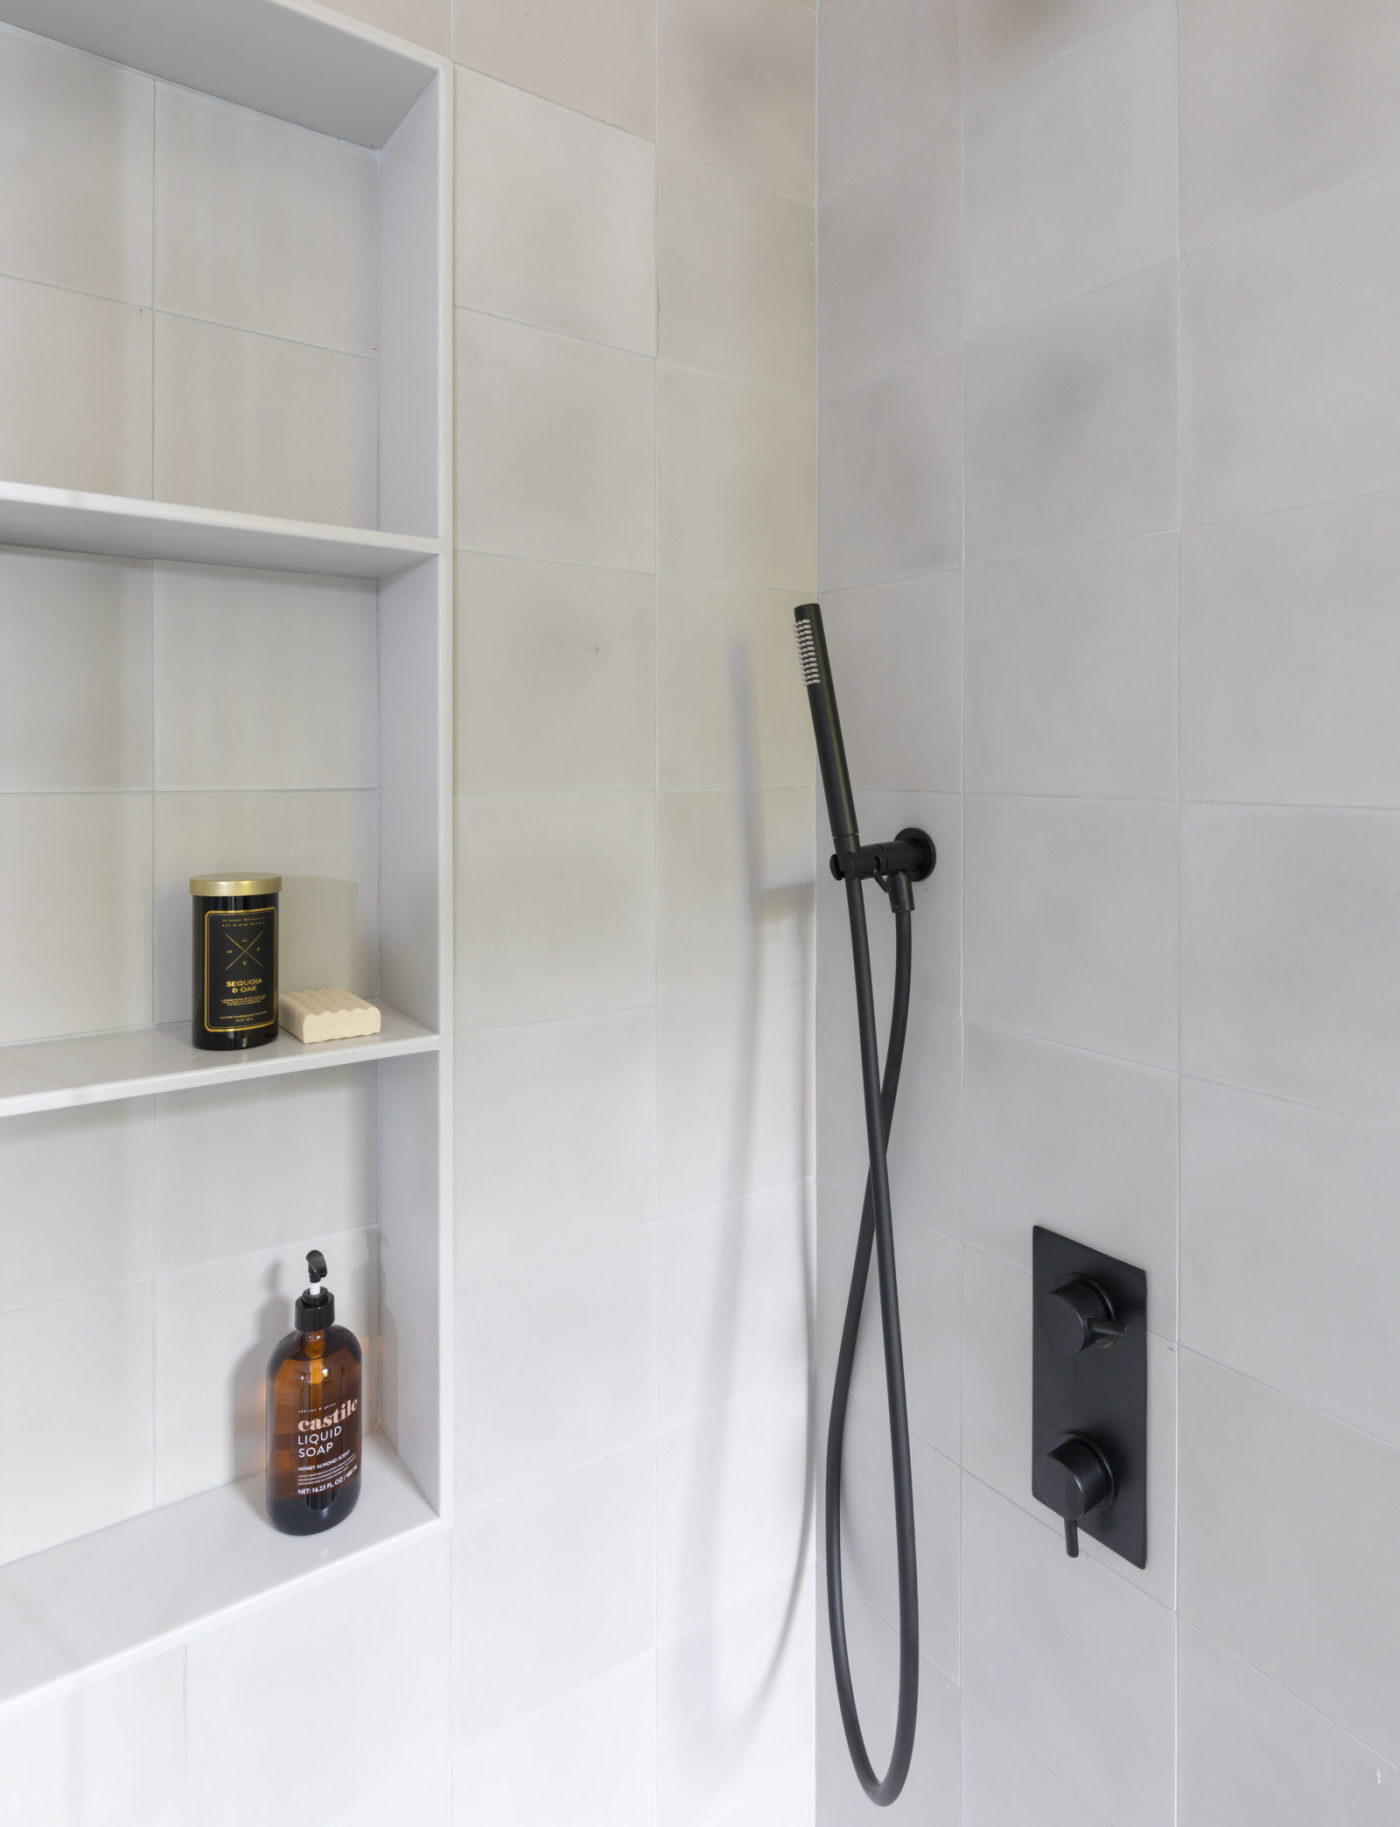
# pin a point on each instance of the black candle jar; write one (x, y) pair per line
(235, 960)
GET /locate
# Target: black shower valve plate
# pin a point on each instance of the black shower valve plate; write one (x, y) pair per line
(1099, 1392)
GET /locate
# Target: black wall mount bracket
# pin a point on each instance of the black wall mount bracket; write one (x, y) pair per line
(1089, 1416)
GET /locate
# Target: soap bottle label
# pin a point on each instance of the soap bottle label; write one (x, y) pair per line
(328, 1449)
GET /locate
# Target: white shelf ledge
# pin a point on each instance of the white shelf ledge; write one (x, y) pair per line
(122, 526)
(137, 1062)
(155, 1581)
(281, 57)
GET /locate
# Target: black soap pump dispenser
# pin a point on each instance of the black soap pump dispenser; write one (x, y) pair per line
(313, 1416)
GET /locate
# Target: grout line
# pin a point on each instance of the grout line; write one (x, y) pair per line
(1179, 478)
(155, 312)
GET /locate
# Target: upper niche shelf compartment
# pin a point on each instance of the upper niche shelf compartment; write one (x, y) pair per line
(121, 526)
(338, 78)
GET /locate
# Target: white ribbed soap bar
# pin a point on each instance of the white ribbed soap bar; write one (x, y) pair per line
(326, 1015)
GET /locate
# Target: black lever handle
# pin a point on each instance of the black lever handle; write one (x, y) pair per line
(1083, 1482)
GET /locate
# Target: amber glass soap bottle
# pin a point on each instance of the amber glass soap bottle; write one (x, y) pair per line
(313, 1416)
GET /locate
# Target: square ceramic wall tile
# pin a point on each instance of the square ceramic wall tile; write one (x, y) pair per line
(75, 913)
(1004, 1786)
(76, 1190)
(589, 1758)
(588, 1170)
(1075, 1663)
(556, 675)
(1307, 294)
(897, 657)
(429, 23)
(930, 1796)
(734, 906)
(217, 1324)
(264, 226)
(325, 846)
(930, 1280)
(1083, 1144)
(1277, 106)
(1269, 1192)
(924, 1155)
(1277, 1499)
(1071, 176)
(600, 59)
(732, 1504)
(111, 1754)
(1072, 672)
(555, 217)
(262, 426)
(528, 1630)
(735, 276)
(250, 1166)
(737, 481)
(66, 1475)
(735, 1287)
(555, 447)
(711, 1676)
(887, 78)
(75, 390)
(75, 657)
(787, 1800)
(1004, 41)
(391, 1707)
(891, 264)
(264, 681)
(556, 1362)
(1071, 422)
(75, 170)
(527, 951)
(891, 486)
(1290, 660)
(1290, 980)
(868, 1561)
(1250, 1751)
(736, 87)
(733, 710)
(1071, 923)
(733, 1107)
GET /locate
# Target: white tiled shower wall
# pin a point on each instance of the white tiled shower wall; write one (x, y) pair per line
(1108, 542)
(633, 1624)
(622, 1629)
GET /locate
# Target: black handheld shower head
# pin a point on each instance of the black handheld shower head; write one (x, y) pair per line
(826, 727)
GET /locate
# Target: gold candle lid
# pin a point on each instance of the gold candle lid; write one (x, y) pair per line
(235, 884)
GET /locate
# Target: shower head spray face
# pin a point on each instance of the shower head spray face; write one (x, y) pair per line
(826, 728)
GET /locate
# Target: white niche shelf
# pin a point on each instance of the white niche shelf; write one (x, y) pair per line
(122, 526)
(81, 1603)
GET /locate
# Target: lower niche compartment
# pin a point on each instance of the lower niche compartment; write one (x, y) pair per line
(155, 1580)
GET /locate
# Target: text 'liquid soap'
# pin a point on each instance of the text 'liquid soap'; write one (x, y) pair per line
(313, 1416)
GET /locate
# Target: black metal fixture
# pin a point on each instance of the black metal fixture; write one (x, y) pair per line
(1089, 1422)
(895, 866)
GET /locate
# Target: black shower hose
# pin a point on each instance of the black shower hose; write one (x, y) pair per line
(877, 1231)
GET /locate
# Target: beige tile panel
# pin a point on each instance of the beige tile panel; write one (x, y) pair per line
(555, 217)
(735, 276)
(738, 485)
(598, 56)
(736, 87)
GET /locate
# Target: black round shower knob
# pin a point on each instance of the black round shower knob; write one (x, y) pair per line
(1078, 1315)
(1080, 1480)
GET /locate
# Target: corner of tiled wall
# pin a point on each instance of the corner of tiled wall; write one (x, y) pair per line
(633, 1630)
